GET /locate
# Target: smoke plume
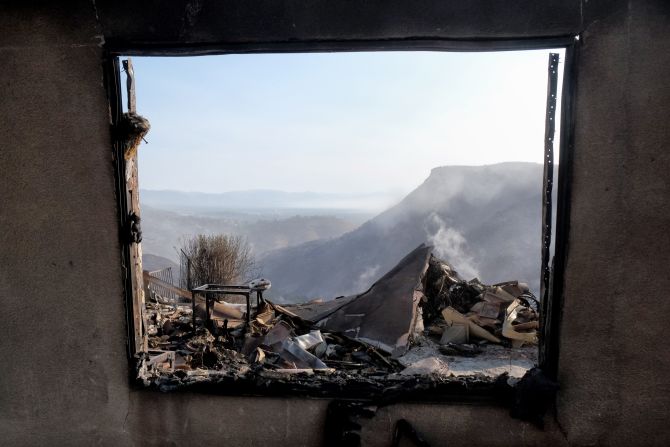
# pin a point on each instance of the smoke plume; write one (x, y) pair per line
(451, 246)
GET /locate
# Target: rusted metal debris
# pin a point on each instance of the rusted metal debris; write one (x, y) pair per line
(376, 339)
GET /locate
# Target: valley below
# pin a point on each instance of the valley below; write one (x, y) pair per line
(483, 220)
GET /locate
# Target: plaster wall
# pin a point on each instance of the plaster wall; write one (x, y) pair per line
(64, 370)
(614, 357)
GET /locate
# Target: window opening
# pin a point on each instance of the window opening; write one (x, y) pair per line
(212, 309)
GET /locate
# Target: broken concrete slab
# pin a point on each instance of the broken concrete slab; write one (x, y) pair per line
(452, 316)
(429, 365)
(458, 333)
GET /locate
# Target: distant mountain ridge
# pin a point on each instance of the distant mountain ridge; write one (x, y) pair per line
(264, 199)
(163, 230)
(485, 220)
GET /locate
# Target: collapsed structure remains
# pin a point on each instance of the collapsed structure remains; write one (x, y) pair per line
(420, 319)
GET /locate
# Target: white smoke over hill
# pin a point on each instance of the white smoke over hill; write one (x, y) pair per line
(484, 220)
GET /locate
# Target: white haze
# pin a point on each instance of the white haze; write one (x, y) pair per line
(449, 244)
(366, 278)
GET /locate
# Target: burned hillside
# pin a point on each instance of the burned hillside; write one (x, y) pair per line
(485, 220)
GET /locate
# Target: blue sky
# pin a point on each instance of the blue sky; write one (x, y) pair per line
(335, 122)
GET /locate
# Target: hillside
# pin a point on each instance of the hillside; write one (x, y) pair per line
(485, 220)
(163, 230)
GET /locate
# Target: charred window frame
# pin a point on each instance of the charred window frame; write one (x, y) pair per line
(112, 79)
(552, 304)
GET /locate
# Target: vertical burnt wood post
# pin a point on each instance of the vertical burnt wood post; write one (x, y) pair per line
(547, 184)
(193, 311)
(133, 194)
(130, 85)
(551, 313)
(188, 273)
(208, 298)
(548, 181)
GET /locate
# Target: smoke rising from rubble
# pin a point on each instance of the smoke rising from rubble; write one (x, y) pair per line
(449, 244)
(365, 279)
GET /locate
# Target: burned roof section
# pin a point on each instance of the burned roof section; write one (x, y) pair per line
(385, 316)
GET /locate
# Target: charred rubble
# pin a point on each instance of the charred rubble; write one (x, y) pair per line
(407, 330)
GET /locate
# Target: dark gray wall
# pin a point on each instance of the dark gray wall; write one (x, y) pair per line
(63, 368)
(235, 21)
(613, 354)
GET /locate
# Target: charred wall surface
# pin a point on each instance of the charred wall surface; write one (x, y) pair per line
(64, 368)
(612, 350)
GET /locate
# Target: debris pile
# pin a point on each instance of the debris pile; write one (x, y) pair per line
(275, 343)
(417, 319)
(460, 312)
